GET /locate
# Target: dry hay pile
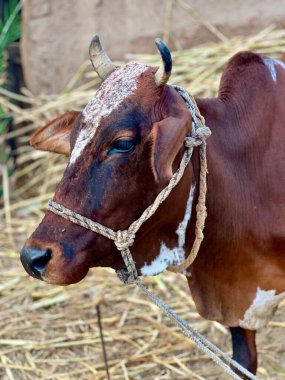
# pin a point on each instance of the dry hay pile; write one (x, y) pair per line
(51, 332)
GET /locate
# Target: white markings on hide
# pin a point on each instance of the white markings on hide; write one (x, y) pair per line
(271, 64)
(116, 87)
(82, 140)
(181, 230)
(166, 257)
(171, 256)
(262, 309)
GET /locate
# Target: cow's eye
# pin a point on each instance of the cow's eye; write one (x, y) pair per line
(122, 146)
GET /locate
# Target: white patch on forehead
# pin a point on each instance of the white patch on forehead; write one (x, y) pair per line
(116, 87)
(262, 309)
(271, 63)
(171, 256)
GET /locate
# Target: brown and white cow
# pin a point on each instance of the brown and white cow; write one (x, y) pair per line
(124, 147)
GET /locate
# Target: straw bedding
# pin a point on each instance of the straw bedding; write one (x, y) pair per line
(51, 332)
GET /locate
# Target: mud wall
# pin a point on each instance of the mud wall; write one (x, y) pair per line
(56, 34)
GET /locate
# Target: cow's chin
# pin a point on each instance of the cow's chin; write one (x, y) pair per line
(61, 272)
(64, 278)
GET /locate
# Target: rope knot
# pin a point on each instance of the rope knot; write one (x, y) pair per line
(203, 132)
(126, 277)
(198, 137)
(124, 239)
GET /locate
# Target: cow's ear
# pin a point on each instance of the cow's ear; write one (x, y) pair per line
(55, 136)
(167, 140)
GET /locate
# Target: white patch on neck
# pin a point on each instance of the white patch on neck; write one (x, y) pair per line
(116, 87)
(171, 256)
(166, 257)
(271, 63)
(262, 309)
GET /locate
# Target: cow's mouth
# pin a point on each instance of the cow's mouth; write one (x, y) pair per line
(55, 264)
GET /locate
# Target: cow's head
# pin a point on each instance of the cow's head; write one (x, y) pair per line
(123, 148)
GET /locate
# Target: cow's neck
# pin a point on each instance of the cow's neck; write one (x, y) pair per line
(240, 137)
(225, 120)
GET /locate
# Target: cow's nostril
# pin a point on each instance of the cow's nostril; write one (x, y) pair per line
(40, 262)
(35, 261)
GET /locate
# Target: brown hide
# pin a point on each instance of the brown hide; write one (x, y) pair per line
(244, 244)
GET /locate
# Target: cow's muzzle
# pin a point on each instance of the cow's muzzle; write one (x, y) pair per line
(35, 261)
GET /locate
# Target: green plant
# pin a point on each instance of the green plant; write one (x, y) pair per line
(10, 31)
(10, 28)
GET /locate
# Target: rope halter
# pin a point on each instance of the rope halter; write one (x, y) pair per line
(125, 239)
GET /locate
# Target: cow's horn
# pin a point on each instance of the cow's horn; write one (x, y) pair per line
(163, 73)
(99, 59)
